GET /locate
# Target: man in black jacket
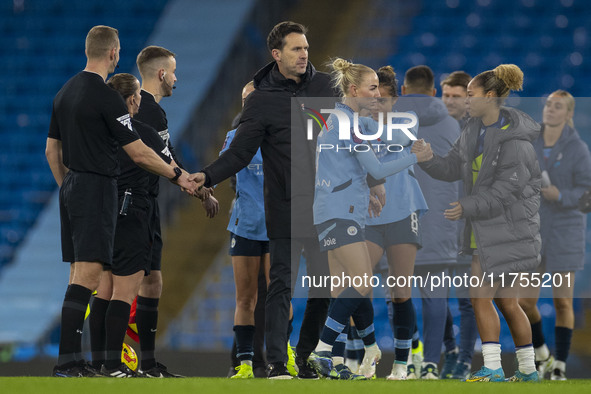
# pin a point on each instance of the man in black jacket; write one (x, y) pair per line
(266, 123)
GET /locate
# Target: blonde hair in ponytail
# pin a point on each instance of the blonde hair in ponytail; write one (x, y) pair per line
(346, 74)
(501, 81)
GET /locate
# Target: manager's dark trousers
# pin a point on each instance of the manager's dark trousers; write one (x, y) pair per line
(285, 258)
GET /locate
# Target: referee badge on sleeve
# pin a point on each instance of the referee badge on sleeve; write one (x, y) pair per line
(125, 120)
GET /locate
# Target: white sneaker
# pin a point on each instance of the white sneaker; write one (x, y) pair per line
(398, 372)
(372, 357)
(353, 364)
(429, 371)
(558, 374)
(415, 358)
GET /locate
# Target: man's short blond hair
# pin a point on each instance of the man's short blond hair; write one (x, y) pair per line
(149, 56)
(100, 40)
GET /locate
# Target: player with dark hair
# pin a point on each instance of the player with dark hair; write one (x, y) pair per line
(495, 159)
(157, 67)
(397, 230)
(88, 124)
(453, 94)
(458, 359)
(440, 248)
(566, 161)
(249, 248)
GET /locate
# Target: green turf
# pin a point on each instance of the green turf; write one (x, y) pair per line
(39, 385)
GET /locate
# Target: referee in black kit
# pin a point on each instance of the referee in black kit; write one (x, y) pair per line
(88, 124)
(157, 67)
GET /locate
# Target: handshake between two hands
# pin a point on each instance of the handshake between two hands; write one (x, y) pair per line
(422, 150)
(192, 184)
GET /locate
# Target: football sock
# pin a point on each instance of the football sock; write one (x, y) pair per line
(338, 349)
(363, 318)
(72, 323)
(537, 335)
(116, 321)
(542, 353)
(525, 359)
(404, 325)
(244, 342)
(355, 349)
(491, 352)
(96, 325)
(146, 318)
(415, 336)
(562, 337)
(561, 365)
(339, 315)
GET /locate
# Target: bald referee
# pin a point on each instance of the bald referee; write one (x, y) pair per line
(88, 124)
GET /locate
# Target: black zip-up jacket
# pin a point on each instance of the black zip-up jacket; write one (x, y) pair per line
(501, 207)
(266, 122)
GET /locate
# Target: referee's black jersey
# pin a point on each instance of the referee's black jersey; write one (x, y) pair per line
(92, 121)
(140, 181)
(152, 114)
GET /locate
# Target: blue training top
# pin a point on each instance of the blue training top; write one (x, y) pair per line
(403, 193)
(248, 214)
(342, 165)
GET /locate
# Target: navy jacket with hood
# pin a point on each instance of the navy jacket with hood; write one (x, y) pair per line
(562, 224)
(501, 207)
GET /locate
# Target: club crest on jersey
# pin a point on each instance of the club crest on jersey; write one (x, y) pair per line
(356, 139)
(125, 120)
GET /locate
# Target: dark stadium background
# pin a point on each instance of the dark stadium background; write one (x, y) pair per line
(219, 45)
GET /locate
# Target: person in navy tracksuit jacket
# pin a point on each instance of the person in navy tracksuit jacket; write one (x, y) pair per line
(566, 160)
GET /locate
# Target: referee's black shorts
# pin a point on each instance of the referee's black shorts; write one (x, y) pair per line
(88, 213)
(134, 237)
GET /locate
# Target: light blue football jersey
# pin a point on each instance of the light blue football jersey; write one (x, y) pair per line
(341, 190)
(403, 193)
(248, 214)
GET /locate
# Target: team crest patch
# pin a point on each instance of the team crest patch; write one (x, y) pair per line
(233, 243)
(356, 139)
(352, 231)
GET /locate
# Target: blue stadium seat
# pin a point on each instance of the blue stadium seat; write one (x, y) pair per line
(43, 46)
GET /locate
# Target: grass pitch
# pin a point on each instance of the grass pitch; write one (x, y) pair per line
(47, 385)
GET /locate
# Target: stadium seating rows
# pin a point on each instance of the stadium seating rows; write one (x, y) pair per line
(42, 45)
(549, 40)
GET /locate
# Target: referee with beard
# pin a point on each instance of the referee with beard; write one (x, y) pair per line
(88, 124)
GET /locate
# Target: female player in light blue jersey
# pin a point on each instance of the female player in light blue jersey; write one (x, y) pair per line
(341, 201)
(249, 248)
(565, 158)
(396, 231)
